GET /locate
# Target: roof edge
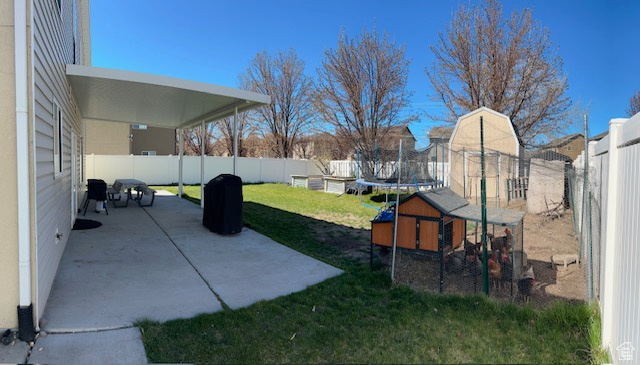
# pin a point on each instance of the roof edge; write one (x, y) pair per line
(146, 78)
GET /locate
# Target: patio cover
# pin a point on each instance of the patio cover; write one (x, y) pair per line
(137, 98)
(131, 97)
(498, 216)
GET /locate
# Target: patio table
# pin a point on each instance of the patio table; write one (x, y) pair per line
(128, 184)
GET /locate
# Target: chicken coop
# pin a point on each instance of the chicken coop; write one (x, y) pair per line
(442, 228)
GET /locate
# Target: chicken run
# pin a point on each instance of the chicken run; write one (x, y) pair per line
(444, 228)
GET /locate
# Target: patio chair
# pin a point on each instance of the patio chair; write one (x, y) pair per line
(141, 192)
(113, 191)
(96, 190)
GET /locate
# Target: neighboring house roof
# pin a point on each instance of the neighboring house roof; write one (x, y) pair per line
(559, 142)
(440, 132)
(401, 130)
(600, 136)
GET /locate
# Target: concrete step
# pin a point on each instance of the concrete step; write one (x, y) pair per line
(564, 259)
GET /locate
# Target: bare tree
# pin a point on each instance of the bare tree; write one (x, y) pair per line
(193, 137)
(634, 104)
(361, 89)
(289, 114)
(508, 65)
(225, 129)
(328, 147)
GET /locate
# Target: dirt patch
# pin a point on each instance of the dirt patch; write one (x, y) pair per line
(546, 236)
(352, 242)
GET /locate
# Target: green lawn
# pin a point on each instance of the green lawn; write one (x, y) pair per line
(360, 316)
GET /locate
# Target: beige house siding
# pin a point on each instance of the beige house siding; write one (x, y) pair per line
(392, 139)
(110, 138)
(572, 149)
(501, 150)
(52, 50)
(107, 138)
(8, 184)
(160, 140)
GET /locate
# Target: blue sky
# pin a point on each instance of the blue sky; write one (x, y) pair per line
(213, 41)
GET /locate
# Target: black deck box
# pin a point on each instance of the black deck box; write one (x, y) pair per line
(223, 204)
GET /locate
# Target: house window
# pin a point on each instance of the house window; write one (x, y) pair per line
(569, 148)
(59, 5)
(139, 126)
(148, 153)
(58, 133)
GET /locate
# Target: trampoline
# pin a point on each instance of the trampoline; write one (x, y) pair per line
(389, 184)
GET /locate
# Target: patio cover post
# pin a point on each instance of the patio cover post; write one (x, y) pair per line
(202, 151)
(235, 142)
(180, 157)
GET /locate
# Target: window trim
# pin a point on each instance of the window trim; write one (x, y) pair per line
(58, 140)
(148, 153)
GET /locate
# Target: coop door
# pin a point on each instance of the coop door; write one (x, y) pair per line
(448, 234)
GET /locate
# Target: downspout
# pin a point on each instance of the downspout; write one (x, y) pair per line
(26, 330)
(180, 160)
(202, 154)
(235, 142)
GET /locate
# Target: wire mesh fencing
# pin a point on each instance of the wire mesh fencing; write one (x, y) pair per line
(553, 255)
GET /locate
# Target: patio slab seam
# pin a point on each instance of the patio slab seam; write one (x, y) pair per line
(222, 303)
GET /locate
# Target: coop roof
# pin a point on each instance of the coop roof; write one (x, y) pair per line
(500, 216)
(443, 199)
(452, 204)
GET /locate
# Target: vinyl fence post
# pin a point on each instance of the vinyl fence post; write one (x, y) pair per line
(609, 267)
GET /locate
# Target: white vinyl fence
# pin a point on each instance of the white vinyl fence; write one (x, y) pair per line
(615, 196)
(163, 170)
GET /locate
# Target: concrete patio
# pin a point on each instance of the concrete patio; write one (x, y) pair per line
(158, 263)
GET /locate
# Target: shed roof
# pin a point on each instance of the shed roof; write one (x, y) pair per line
(516, 133)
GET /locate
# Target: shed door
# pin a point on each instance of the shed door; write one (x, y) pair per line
(473, 170)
